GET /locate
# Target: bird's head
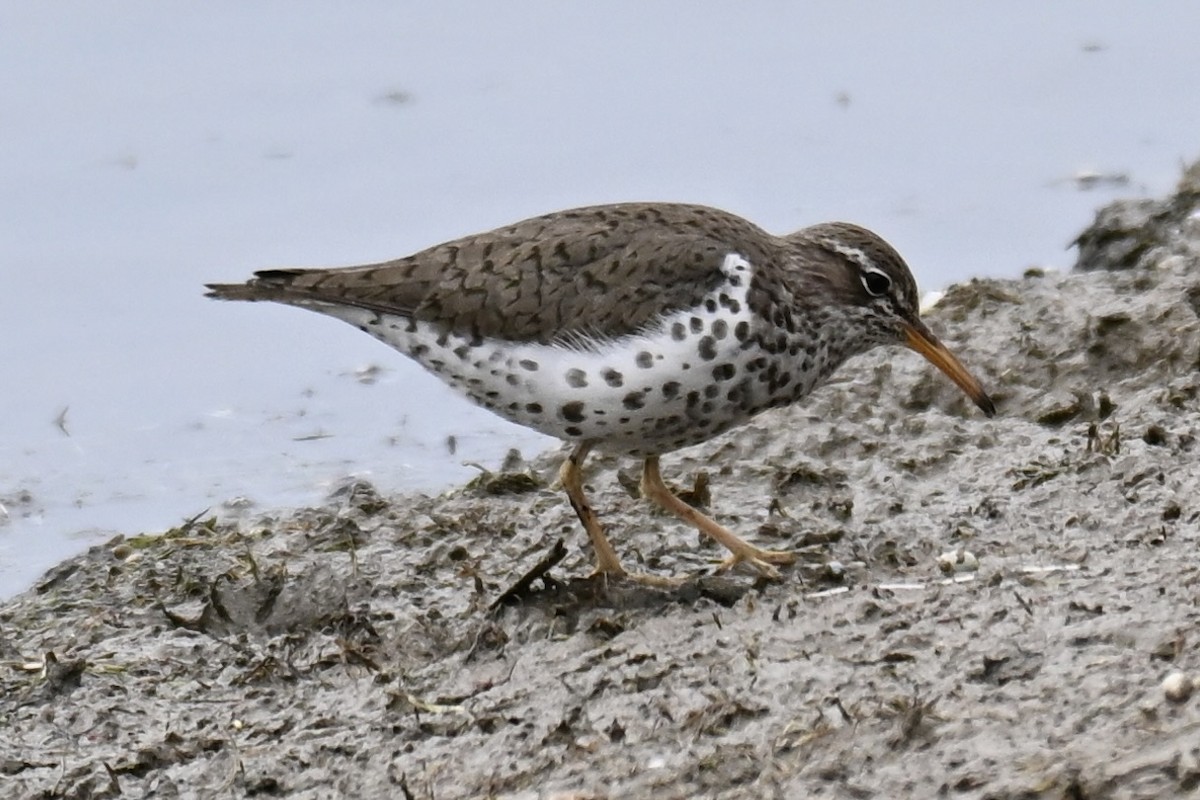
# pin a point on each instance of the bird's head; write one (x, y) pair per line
(872, 287)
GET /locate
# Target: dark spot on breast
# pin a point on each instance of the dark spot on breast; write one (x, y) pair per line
(513, 380)
(572, 430)
(724, 372)
(612, 377)
(697, 324)
(419, 350)
(742, 330)
(670, 390)
(708, 348)
(528, 364)
(720, 329)
(634, 400)
(644, 360)
(731, 303)
(710, 305)
(572, 412)
(693, 399)
(533, 408)
(576, 378)
(711, 391)
(678, 332)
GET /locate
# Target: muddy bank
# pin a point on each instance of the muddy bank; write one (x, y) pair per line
(353, 649)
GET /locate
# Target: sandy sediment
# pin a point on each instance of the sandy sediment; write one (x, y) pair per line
(983, 608)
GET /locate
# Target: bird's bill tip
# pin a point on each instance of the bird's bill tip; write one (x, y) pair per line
(919, 338)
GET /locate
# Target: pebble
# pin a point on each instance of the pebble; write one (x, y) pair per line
(958, 561)
(1177, 687)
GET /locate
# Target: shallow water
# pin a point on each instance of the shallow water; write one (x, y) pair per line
(148, 149)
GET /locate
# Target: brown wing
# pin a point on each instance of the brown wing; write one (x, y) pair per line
(607, 269)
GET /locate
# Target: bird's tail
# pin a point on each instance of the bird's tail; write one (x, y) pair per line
(270, 284)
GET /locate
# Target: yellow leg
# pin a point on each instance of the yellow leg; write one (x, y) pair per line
(571, 475)
(607, 563)
(740, 550)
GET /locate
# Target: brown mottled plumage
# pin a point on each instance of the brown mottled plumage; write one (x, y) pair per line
(639, 327)
(538, 280)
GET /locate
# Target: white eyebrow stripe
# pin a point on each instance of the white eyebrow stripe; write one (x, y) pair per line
(854, 254)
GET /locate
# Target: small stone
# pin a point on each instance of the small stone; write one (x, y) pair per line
(835, 571)
(958, 561)
(1178, 687)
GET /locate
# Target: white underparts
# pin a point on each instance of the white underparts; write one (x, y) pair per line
(675, 383)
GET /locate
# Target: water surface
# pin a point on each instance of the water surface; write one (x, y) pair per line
(147, 148)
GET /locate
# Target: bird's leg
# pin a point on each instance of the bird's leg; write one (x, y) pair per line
(607, 563)
(571, 475)
(740, 550)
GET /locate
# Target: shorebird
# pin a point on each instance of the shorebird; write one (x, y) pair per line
(636, 328)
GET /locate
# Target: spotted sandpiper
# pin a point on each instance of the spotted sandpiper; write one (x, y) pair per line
(636, 328)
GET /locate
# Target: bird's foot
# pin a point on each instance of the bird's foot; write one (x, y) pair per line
(644, 578)
(761, 560)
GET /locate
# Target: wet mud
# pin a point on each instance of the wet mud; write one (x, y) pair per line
(1004, 608)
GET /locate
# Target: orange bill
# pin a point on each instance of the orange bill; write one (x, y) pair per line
(921, 339)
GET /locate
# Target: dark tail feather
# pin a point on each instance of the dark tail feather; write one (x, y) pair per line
(269, 284)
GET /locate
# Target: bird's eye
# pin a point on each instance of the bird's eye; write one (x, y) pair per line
(876, 282)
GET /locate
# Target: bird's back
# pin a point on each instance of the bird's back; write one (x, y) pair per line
(597, 271)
